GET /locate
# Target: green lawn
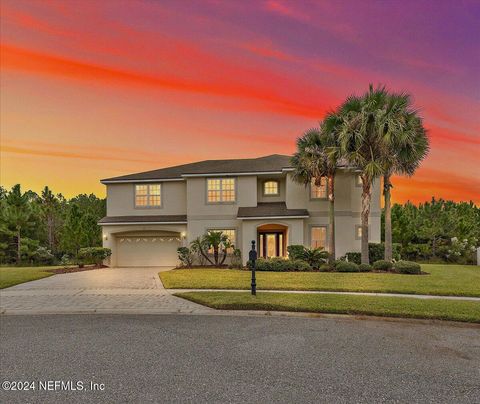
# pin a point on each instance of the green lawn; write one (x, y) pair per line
(441, 309)
(459, 280)
(10, 276)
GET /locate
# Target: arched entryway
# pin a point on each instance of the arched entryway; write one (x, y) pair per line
(272, 240)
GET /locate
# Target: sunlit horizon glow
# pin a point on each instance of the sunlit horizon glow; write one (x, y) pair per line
(92, 90)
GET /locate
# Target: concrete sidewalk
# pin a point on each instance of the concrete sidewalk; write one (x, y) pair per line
(469, 298)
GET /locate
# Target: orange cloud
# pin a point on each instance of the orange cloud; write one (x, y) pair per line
(431, 182)
(20, 59)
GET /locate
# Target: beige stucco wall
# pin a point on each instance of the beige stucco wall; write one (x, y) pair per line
(121, 200)
(246, 195)
(189, 197)
(270, 198)
(348, 206)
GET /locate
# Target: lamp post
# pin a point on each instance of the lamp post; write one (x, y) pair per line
(252, 256)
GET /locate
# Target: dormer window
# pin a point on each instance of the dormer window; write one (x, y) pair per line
(148, 195)
(271, 188)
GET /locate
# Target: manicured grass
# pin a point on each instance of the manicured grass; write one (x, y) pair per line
(441, 309)
(10, 276)
(451, 280)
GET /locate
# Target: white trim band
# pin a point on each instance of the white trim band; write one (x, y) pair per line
(270, 217)
(125, 223)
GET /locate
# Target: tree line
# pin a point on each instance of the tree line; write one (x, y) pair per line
(47, 228)
(437, 230)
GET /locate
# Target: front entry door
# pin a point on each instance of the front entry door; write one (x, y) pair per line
(271, 244)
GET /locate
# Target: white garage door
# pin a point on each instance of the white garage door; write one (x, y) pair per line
(147, 251)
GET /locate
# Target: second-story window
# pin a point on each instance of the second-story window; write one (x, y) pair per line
(148, 195)
(318, 191)
(220, 190)
(270, 188)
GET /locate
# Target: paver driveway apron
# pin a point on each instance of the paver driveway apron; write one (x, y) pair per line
(103, 290)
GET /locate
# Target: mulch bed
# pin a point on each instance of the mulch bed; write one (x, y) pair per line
(76, 269)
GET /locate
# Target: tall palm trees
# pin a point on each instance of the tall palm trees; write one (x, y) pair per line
(405, 146)
(379, 134)
(361, 143)
(317, 157)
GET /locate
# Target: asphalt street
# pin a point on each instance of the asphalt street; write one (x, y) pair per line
(203, 358)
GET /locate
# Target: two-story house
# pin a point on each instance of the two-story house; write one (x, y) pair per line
(151, 214)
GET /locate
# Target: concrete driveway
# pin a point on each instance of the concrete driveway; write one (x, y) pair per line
(109, 290)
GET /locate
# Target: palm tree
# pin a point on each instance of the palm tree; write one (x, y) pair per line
(405, 146)
(317, 156)
(361, 143)
(215, 240)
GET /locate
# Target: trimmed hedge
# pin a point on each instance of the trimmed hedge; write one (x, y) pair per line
(280, 265)
(93, 255)
(344, 266)
(295, 251)
(407, 267)
(382, 265)
(365, 267)
(355, 257)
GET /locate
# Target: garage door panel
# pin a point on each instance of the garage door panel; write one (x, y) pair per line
(147, 251)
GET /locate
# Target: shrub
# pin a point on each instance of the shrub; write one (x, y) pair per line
(376, 251)
(345, 266)
(280, 265)
(365, 267)
(326, 268)
(407, 267)
(355, 257)
(295, 251)
(382, 265)
(93, 255)
(43, 256)
(65, 260)
(186, 256)
(299, 265)
(315, 256)
(236, 261)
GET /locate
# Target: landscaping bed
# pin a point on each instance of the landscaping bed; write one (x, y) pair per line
(448, 280)
(440, 309)
(68, 270)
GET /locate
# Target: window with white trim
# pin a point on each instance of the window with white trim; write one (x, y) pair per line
(148, 195)
(318, 237)
(270, 188)
(318, 191)
(220, 190)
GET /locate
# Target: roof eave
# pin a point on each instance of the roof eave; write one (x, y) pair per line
(272, 217)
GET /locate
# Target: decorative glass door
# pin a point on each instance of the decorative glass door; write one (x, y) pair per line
(271, 244)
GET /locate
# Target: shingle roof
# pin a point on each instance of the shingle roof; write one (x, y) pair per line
(272, 163)
(144, 219)
(270, 209)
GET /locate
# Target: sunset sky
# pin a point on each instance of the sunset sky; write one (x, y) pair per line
(95, 89)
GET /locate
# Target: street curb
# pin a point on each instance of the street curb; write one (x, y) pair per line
(242, 313)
